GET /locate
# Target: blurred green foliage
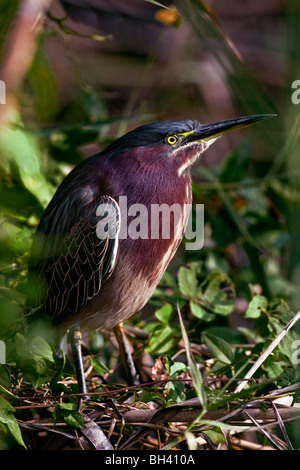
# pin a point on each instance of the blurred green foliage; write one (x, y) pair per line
(235, 295)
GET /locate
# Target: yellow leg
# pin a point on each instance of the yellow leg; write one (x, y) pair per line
(126, 356)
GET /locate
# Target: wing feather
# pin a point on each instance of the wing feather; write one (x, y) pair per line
(71, 261)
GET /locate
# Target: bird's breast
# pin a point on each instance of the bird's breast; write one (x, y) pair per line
(152, 229)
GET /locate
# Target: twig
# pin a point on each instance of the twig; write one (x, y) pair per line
(282, 427)
(40, 426)
(244, 444)
(69, 31)
(187, 416)
(151, 384)
(264, 432)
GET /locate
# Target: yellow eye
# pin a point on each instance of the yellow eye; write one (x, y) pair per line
(172, 139)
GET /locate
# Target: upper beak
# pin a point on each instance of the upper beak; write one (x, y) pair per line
(216, 129)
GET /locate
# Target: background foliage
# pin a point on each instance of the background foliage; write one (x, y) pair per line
(93, 73)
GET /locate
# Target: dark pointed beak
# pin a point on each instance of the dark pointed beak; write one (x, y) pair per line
(216, 129)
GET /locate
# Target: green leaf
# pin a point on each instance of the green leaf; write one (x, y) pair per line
(234, 166)
(177, 390)
(5, 379)
(57, 412)
(200, 312)
(145, 397)
(272, 357)
(6, 406)
(21, 346)
(40, 349)
(40, 366)
(9, 422)
(274, 370)
(219, 348)
(34, 356)
(37, 349)
(20, 149)
(256, 307)
(263, 407)
(43, 83)
(98, 366)
(73, 418)
(211, 285)
(70, 413)
(69, 406)
(228, 334)
(161, 340)
(187, 280)
(194, 370)
(217, 293)
(276, 324)
(36, 381)
(215, 435)
(224, 231)
(168, 280)
(176, 369)
(164, 314)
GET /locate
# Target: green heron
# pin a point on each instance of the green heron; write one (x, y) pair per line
(84, 274)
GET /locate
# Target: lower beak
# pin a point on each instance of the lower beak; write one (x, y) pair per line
(216, 129)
